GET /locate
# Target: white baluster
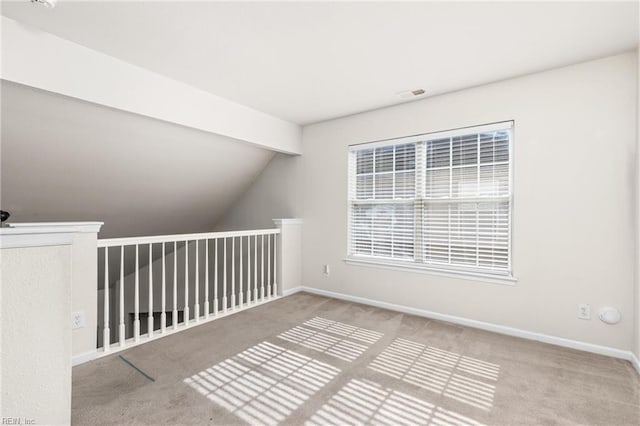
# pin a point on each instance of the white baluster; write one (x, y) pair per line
(262, 269)
(246, 289)
(174, 313)
(269, 287)
(256, 284)
(150, 317)
(196, 310)
(186, 283)
(275, 265)
(163, 314)
(121, 329)
(255, 269)
(106, 333)
(215, 278)
(136, 301)
(224, 279)
(240, 296)
(233, 273)
(248, 270)
(206, 279)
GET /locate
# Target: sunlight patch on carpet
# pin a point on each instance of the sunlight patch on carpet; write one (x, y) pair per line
(263, 384)
(340, 340)
(465, 379)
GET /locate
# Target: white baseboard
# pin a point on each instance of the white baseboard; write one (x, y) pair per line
(290, 291)
(84, 357)
(635, 362)
(496, 328)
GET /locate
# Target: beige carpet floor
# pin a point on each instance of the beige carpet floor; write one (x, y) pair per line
(306, 359)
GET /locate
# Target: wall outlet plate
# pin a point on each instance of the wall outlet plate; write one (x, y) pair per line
(584, 311)
(77, 320)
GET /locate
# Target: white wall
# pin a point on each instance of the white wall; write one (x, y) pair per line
(84, 266)
(270, 196)
(35, 358)
(68, 160)
(573, 221)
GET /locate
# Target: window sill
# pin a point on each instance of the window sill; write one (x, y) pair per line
(412, 267)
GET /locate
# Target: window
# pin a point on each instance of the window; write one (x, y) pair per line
(436, 201)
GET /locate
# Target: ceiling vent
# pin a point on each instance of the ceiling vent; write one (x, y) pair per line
(408, 94)
(47, 3)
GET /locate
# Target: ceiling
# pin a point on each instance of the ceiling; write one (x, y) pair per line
(308, 62)
(68, 160)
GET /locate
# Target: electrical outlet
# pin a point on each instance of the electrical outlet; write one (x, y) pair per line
(325, 270)
(77, 320)
(584, 311)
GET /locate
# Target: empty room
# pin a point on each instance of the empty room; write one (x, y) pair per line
(319, 213)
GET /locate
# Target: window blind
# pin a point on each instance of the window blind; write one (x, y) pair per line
(383, 200)
(440, 200)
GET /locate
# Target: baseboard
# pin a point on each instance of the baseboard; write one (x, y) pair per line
(84, 357)
(290, 291)
(496, 328)
(635, 362)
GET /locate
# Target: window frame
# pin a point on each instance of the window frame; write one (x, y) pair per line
(417, 264)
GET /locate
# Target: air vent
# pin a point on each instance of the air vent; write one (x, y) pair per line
(46, 3)
(408, 94)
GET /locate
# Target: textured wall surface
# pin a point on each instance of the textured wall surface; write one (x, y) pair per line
(36, 334)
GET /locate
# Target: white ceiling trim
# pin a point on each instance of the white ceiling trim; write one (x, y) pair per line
(38, 59)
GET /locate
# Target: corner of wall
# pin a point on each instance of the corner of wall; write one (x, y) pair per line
(637, 217)
(84, 292)
(274, 193)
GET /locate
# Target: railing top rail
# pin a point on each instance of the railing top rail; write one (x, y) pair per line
(130, 241)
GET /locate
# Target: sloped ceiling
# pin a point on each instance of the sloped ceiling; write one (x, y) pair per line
(63, 159)
(311, 61)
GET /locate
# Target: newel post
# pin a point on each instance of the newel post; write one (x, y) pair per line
(288, 255)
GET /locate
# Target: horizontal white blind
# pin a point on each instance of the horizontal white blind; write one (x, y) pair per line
(382, 198)
(443, 200)
(466, 230)
(467, 234)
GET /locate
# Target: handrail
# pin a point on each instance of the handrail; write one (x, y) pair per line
(111, 242)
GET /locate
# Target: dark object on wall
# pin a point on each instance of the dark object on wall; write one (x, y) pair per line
(4, 215)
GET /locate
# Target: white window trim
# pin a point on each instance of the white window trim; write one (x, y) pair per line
(377, 262)
(452, 271)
